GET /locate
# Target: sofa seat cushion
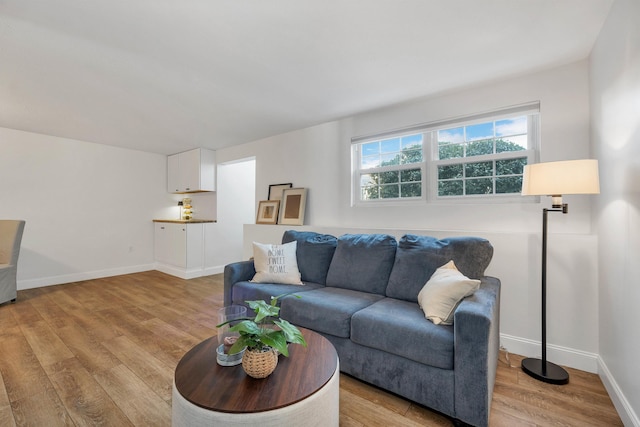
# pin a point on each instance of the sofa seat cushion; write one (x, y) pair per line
(418, 257)
(249, 291)
(399, 327)
(363, 262)
(327, 310)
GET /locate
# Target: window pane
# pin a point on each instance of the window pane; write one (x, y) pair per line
(479, 131)
(515, 126)
(511, 143)
(452, 151)
(450, 188)
(449, 136)
(511, 166)
(369, 193)
(389, 191)
(412, 141)
(370, 162)
(371, 148)
(479, 148)
(368, 179)
(389, 177)
(509, 184)
(390, 145)
(448, 172)
(390, 159)
(411, 175)
(411, 156)
(480, 186)
(478, 169)
(411, 190)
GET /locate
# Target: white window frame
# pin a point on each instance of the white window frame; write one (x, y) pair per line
(358, 171)
(430, 163)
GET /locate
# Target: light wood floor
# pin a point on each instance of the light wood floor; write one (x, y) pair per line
(103, 352)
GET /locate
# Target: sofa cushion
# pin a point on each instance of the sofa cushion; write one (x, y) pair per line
(443, 292)
(276, 263)
(399, 327)
(418, 257)
(248, 291)
(314, 253)
(327, 310)
(362, 262)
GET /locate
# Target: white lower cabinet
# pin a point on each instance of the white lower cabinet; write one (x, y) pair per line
(179, 249)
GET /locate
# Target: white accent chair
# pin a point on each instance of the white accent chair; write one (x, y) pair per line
(10, 239)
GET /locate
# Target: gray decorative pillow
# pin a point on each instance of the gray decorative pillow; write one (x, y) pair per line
(418, 257)
(276, 264)
(314, 254)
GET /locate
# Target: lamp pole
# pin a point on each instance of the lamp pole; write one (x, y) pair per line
(541, 369)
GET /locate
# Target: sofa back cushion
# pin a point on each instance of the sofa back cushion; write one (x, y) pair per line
(314, 253)
(363, 262)
(418, 257)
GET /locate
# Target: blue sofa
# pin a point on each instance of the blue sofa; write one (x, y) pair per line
(360, 292)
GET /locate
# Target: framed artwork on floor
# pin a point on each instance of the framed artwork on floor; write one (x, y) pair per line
(293, 205)
(268, 212)
(275, 190)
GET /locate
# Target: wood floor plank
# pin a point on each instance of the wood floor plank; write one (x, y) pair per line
(129, 325)
(41, 409)
(361, 409)
(44, 342)
(156, 374)
(170, 315)
(374, 394)
(93, 356)
(181, 338)
(6, 416)
(85, 400)
(139, 403)
(104, 351)
(22, 373)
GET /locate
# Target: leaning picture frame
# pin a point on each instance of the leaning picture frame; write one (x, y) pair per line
(275, 190)
(268, 212)
(293, 206)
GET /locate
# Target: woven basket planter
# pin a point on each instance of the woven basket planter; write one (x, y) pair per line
(259, 364)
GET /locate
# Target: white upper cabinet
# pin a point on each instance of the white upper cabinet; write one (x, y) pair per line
(192, 171)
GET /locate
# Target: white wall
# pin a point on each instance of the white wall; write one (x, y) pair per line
(88, 207)
(319, 158)
(615, 106)
(236, 185)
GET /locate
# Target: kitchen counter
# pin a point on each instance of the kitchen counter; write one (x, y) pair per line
(185, 221)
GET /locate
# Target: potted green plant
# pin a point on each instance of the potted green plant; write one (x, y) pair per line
(264, 336)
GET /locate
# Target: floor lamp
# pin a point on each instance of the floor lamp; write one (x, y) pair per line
(555, 179)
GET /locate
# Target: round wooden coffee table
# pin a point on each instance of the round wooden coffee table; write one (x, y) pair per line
(303, 390)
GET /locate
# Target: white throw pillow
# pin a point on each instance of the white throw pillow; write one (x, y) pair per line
(276, 263)
(443, 292)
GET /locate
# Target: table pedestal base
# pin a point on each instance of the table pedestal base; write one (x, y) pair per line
(321, 409)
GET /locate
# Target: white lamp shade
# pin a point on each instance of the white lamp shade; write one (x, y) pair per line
(558, 178)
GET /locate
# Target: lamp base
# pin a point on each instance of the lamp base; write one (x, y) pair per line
(549, 372)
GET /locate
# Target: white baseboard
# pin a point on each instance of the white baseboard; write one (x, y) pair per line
(624, 408)
(78, 277)
(189, 274)
(559, 355)
(89, 275)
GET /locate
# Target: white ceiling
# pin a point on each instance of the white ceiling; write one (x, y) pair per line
(168, 75)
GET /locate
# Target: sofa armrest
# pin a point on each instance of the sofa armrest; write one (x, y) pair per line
(476, 346)
(234, 273)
